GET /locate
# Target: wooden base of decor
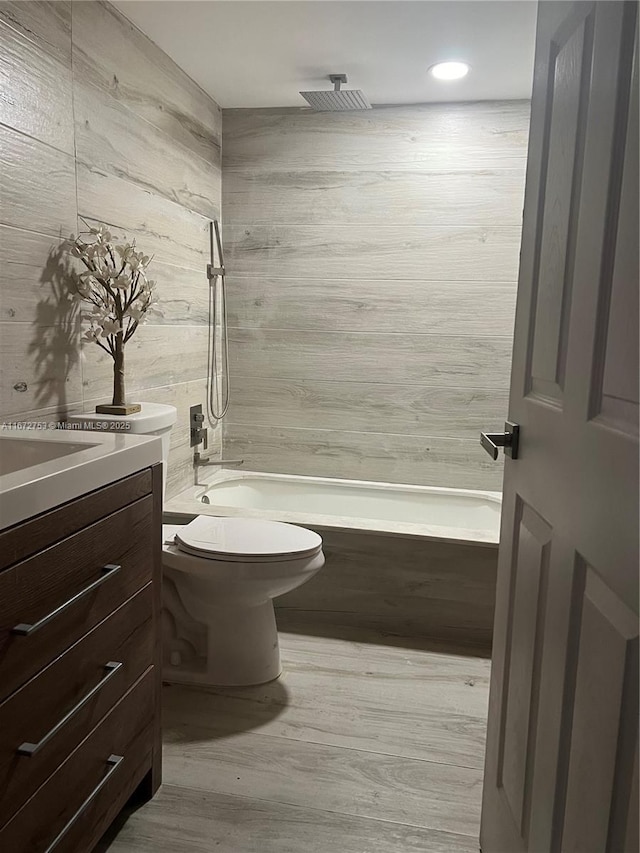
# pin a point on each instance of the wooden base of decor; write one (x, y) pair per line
(127, 409)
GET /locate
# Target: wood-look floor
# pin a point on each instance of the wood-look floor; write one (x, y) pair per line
(358, 747)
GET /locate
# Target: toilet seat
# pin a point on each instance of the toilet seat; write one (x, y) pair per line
(248, 540)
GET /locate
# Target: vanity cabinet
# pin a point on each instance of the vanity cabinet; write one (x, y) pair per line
(80, 668)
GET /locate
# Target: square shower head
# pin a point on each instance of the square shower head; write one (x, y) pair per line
(338, 99)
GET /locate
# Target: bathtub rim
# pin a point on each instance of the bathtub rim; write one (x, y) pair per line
(187, 504)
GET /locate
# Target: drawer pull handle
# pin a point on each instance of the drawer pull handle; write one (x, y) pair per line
(31, 748)
(113, 762)
(24, 630)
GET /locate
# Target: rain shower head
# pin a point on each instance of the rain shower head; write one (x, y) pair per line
(338, 99)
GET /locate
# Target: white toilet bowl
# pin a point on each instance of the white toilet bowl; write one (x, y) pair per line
(220, 578)
(226, 572)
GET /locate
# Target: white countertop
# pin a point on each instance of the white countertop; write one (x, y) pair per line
(97, 459)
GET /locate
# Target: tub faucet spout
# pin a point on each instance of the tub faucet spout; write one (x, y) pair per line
(198, 459)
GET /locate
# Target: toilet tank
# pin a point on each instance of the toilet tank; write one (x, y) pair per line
(152, 419)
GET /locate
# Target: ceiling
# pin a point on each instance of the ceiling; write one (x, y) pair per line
(261, 54)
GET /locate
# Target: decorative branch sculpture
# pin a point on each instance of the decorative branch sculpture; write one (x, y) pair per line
(116, 293)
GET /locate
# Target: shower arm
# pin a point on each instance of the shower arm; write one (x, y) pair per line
(337, 80)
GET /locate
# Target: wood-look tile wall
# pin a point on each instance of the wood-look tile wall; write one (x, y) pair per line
(97, 122)
(372, 262)
(396, 586)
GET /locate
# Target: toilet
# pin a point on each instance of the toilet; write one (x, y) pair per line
(227, 571)
(220, 578)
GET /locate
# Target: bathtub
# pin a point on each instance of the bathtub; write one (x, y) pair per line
(412, 563)
(457, 515)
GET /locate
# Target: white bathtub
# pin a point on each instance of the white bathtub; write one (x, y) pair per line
(424, 511)
(407, 564)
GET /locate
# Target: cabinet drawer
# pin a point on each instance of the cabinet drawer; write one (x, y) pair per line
(75, 805)
(56, 709)
(31, 536)
(50, 600)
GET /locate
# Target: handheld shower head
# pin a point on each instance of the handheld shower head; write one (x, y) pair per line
(338, 99)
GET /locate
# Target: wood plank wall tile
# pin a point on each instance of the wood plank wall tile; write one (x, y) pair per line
(431, 586)
(35, 71)
(372, 305)
(372, 264)
(162, 228)
(148, 163)
(41, 369)
(453, 462)
(456, 572)
(366, 406)
(183, 294)
(47, 23)
(109, 52)
(114, 141)
(385, 197)
(426, 252)
(439, 137)
(459, 361)
(156, 355)
(29, 263)
(37, 185)
(48, 415)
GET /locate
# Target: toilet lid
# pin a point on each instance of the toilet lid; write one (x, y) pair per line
(248, 539)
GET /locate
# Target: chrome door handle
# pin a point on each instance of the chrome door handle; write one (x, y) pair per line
(24, 629)
(113, 762)
(508, 439)
(31, 748)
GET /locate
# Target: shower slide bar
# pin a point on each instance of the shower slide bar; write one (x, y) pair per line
(217, 383)
(217, 392)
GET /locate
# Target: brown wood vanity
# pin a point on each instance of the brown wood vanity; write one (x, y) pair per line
(80, 669)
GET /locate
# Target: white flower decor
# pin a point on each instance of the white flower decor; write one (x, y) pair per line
(117, 295)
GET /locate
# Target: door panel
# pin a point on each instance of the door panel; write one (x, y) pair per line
(562, 747)
(615, 389)
(570, 60)
(532, 548)
(604, 720)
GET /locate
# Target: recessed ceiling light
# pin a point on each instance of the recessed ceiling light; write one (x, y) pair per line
(450, 70)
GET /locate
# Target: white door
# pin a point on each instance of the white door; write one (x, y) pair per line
(562, 755)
